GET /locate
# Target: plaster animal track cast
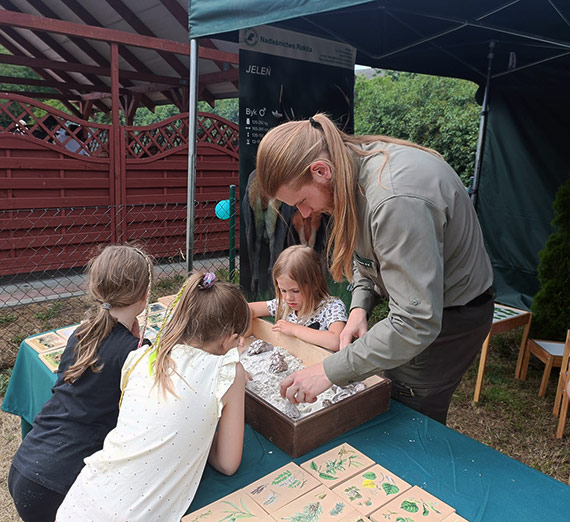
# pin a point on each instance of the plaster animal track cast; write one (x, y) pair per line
(356, 387)
(278, 363)
(347, 391)
(259, 346)
(291, 410)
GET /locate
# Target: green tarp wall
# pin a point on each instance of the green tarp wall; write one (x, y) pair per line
(526, 159)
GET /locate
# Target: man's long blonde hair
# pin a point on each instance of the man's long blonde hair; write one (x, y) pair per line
(202, 314)
(284, 157)
(303, 265)
(119, 276)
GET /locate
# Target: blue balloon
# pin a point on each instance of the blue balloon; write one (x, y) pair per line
(223, 209)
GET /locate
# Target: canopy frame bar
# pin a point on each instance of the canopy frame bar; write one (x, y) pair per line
(461, 24)
(477, 24)
(473, 191)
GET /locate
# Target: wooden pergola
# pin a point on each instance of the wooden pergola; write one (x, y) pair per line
(89, 64)
(115, 56)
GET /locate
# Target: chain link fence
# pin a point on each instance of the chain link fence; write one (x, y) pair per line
(43, 253)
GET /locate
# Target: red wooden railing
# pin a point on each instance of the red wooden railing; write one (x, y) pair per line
(60, 194)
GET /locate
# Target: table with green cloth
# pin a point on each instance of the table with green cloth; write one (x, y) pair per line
(29, 387)
(482, 484)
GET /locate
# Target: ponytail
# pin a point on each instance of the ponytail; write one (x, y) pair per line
(119, 276)
(285, 155)
(89, 334)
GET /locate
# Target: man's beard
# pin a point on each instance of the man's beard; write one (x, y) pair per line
(327, 192)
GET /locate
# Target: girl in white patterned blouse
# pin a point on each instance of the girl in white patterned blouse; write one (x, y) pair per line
(303, 307)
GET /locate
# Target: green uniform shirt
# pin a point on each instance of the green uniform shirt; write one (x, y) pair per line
(420, 244)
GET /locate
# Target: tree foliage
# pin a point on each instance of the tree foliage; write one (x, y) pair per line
(16, 71)
(144, 116)
(227, 109)
(433, 111)
(551, 305)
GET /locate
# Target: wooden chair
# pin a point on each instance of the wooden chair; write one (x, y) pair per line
(549, 352)
(504, 318)
(563, 390)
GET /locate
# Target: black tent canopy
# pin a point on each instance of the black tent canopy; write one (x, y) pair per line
(524, 157)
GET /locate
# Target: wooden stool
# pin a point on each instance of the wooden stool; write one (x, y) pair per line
(549, 352)
(563, 390)
(504, 318)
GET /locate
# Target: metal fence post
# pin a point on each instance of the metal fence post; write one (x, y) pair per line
(232, 233)
(192, 113)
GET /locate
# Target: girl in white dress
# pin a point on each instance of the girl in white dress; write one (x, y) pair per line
(303, 307)
(182, 406)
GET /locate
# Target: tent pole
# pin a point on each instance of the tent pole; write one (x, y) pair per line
(482, 128)
(192, 118)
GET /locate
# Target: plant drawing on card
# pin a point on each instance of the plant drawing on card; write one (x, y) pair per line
(234, 511)
(52, 358)
(234, 507)
(156, 307)
(371, 489)
(282, 486)
(319, 505)
(338, 464)
(413, 506)
(46, 341)
(155, 318)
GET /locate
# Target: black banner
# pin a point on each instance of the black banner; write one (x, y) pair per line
(283, 76)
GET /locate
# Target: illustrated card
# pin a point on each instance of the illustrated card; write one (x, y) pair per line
(285, 484)
(46, 341)
(151, 332)
(318, 505)
(156, 307)
(371, 489)
(337, 465)
(233, 507)
(67, 331)
(52, 358)
(501, 312)
(153, 319)
(166, 300)
(414, 505)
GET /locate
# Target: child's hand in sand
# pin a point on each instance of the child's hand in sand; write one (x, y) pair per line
(284, 327)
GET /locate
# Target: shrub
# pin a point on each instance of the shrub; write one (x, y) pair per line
(551, 305)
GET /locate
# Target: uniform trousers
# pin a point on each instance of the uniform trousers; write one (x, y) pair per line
(427, 382)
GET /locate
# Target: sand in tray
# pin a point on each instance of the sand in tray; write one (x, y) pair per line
(268, 365)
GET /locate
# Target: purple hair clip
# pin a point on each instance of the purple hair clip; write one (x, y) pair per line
(207, 281)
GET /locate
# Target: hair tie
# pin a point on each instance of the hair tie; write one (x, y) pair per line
(314, 123)
(106, 306)
(207, 281)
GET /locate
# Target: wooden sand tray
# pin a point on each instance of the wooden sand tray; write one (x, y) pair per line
(297, 437)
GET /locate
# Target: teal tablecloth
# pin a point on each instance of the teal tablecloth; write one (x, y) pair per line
(482, 484)
(29, 387)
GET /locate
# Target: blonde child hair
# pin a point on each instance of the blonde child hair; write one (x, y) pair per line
(183, 407)
(303, 265)
(204, 309)
(314, 316)
(284, 157)
(119, 276)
